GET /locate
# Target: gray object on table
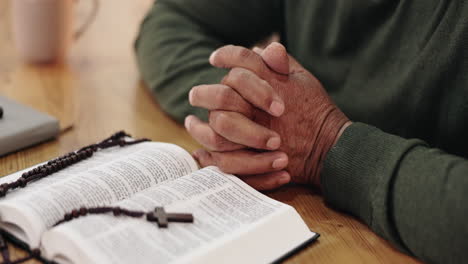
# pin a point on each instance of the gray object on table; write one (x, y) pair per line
(22, 126)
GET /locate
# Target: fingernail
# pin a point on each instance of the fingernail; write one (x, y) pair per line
(276, 108)
(284, 178)
(187, 122)
(257, 50)
(273, 143)
(280, 163)
(212, 57)
(190, 96)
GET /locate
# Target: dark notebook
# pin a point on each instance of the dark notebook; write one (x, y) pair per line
(22, 126)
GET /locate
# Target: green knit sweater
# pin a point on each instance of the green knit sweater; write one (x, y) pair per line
(399, 69)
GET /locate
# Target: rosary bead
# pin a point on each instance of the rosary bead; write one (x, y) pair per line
(75, 213)
(82, 155)
(89, 152)
(3, 190)
(22, 182)
(116, 211)
(83, 211)
(67, 217)
(118, 135)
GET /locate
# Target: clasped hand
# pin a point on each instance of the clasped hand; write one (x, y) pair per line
(270, 120)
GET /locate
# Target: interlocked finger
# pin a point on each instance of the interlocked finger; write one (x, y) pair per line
(237, 128)
(219, 97)
(243, 162)
(207, 137)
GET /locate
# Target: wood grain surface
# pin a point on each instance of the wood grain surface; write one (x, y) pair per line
(97, 91)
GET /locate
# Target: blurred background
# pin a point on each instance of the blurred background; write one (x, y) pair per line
(94, 90)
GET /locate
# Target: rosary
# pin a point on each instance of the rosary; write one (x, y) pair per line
(158, 215)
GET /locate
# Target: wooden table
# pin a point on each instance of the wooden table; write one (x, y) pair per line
(98, 91)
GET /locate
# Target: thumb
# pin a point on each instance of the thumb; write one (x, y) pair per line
(278, 59)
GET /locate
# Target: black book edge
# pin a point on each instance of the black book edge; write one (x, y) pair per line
(296, 250)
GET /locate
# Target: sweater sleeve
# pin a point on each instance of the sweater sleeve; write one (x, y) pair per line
(412, 195)
(177, 37)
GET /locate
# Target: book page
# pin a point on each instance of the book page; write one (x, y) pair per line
(224, 208)
(110, 175)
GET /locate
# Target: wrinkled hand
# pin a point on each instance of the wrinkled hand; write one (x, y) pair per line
(269, 102)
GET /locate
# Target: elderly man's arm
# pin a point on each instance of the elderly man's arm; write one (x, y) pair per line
(411, 194)
(177, 37)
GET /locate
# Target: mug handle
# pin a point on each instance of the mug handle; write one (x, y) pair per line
(91, 17)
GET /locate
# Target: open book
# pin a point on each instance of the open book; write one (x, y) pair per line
(233, 223)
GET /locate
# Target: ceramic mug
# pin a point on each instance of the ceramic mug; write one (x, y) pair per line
(43, 29)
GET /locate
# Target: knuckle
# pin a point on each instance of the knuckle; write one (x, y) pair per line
(243, 75)
(215, 142)
(234, 77)
(244, 53)
(219, 161)
(239, 77)
(220, 122)
(223, 96)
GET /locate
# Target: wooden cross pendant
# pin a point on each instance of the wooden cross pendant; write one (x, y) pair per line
(162, 218)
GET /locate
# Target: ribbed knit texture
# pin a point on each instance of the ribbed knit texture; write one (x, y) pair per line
(358, 171)
(408, 193)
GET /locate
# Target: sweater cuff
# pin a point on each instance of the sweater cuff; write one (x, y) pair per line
(357, 174)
